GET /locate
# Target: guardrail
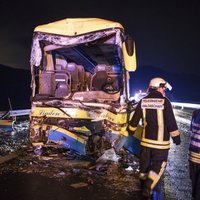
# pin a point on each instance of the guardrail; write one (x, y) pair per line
(20, 112)
(185, 105)
(174, 104)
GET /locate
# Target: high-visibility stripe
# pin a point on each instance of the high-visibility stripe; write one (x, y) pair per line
(194, 160)
(197, 125)
(132, 128)
(194, 143)
(156, 142)
(160, 125)
(144, 122)
(155, 177)
(155, 146)
(195, 130)
(159, 143)
(194, 154)
(174, 133)
(194, 157)
(195, 136)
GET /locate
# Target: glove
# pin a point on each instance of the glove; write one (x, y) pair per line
(177, 140)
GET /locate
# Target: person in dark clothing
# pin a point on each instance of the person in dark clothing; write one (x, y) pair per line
(159, 124)
(194, 154)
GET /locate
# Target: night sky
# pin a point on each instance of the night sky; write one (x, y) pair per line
(166, 32)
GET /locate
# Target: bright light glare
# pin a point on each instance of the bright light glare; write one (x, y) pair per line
(139, 95)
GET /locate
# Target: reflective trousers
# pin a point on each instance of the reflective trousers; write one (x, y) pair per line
(152, 166)
(195, 178)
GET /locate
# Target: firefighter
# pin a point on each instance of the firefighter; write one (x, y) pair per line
(194, 154)
(158, 121)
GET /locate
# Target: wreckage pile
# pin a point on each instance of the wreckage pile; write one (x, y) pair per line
(60, 163)
(114, 171)
(15, 140)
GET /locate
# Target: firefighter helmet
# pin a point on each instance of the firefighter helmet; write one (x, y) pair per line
(155, 83)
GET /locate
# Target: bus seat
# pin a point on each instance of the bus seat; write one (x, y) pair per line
(62, 84)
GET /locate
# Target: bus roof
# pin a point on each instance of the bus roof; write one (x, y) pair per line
(77, 26)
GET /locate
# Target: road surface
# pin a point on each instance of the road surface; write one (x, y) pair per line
(50, 177)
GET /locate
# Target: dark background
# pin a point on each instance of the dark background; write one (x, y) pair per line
(166, 34)
(14, 85)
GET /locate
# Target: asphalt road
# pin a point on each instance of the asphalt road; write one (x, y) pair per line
(35, 178)
(177, 184)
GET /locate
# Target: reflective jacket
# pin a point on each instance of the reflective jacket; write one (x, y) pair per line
(194, 148)
(158, 121)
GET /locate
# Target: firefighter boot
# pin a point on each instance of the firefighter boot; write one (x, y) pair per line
(157, 193)
(146, 193)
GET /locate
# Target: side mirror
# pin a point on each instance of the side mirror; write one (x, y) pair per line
(129, 53)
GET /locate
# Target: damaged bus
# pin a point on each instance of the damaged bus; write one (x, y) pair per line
(80, 84)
